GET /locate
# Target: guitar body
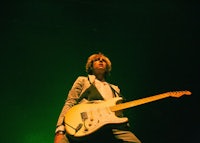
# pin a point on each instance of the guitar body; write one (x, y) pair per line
(86, 118)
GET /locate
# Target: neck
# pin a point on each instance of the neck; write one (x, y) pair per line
(100, 77)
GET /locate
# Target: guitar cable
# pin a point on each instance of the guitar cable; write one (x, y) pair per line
(77, 128)
(84, 117)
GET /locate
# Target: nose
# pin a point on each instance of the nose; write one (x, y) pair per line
(100, 60)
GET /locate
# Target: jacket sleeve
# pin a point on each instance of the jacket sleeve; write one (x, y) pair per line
(72, 98)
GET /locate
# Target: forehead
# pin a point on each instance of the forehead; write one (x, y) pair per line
(99, 56)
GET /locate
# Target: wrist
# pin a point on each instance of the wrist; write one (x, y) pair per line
(60, 133)
(60, 128)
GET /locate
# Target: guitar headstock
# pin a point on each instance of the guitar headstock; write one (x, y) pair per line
(179, 93)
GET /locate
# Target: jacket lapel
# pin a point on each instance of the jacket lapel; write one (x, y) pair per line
(91, 78)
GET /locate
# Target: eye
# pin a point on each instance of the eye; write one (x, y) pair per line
(100, 59)
(97, 59)
(103, 60)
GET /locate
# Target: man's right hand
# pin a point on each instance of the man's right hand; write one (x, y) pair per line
(58, 137)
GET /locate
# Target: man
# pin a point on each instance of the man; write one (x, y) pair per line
(94, 87)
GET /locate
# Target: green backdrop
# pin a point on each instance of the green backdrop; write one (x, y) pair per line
(152, 46)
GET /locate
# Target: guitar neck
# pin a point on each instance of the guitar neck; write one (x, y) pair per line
(138, 102)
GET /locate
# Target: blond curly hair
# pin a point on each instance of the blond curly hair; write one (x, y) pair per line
(92, 58)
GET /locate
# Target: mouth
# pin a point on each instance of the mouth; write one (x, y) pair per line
(101, 66)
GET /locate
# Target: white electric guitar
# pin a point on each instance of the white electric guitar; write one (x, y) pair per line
(85, 118)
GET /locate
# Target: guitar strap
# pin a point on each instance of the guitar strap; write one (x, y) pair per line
(117, 94)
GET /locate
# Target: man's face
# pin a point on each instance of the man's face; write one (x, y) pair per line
(99, 65)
